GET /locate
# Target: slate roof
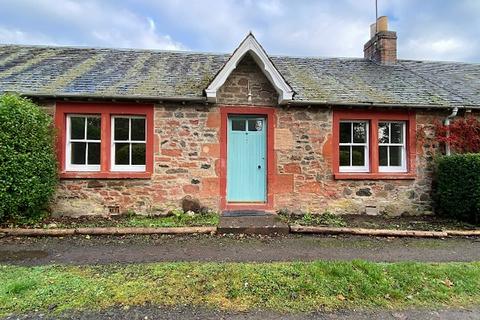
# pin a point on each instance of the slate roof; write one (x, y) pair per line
(63, 71)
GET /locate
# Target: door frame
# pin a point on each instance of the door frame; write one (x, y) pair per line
(269, 114)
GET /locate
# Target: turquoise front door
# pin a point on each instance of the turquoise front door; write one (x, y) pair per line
(246, 159)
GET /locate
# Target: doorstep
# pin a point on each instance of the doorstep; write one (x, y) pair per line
(251, 222)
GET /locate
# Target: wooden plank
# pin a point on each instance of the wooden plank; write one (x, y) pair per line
(368, 232)
(105, 231)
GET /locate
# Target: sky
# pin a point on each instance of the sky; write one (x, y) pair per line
(427, 29)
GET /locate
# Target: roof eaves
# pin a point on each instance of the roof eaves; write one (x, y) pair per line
(112, 97)
(381, 105)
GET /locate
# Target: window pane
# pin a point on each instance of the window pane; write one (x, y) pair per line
(93, 153)
(344, 156)
(121, 128)
(122, 153)
(345, 132)
(78, 152)
(255, 125)
(238, 125)
(93, 128)
(396, 156)
(383, 132)
(77, 127)
(138, 129)
(138, 153)
(383, 155)
(359, 132)
(397, 132)
(358, 156)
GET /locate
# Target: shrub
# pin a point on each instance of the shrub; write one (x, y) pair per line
(458, 187)
(28, 166)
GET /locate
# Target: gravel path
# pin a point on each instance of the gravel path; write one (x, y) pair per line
(154, 312)
(135, 249)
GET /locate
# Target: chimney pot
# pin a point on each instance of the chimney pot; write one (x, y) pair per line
(382, 23)
(382, 46)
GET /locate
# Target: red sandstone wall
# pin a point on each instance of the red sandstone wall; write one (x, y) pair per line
(187, 153)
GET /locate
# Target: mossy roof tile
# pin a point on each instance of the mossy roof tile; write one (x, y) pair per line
(38, 70)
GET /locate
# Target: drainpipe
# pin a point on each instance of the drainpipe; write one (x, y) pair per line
(447, 124)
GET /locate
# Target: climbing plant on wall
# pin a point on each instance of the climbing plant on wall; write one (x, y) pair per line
(463, 134)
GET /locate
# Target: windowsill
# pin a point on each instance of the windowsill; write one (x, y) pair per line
(374, 176)
(104, 175)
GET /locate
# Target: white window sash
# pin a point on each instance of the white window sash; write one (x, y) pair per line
(403, 150)
(68, 148)
(366, 167)
(126, 167)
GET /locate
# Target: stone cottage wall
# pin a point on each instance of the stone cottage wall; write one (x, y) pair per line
(304, 162)
(186, 155)
(187, 159)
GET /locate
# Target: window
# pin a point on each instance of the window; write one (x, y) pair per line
(240, 124)
(105, 140)
(391, 146)
(353, 146)
(374, 144)
(128, 143)
(83, 143)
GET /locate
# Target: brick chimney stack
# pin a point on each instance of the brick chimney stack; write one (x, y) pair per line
(382, 46)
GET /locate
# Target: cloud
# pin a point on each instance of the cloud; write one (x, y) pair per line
(271, 7)
(434, 30)
(11, 35)
(427, 30)
(86, 22)
(440, 48)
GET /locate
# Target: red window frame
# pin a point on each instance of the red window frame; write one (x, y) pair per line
(374, 117)
(105, 111)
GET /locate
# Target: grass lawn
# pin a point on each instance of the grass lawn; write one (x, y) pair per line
(285, 287)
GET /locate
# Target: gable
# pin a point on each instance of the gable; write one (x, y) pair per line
(251, 46)
(247, 85)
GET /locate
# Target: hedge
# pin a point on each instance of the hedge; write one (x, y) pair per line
(28, 166)
(458, 187)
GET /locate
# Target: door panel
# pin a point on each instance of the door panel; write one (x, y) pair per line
(246, 159)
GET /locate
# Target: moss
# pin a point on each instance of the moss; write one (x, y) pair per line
(312, 88)
(133, 74)
(73, 73)
(18, 68)
(372, 93)
(11, 57)
(191, 85)
(149, 83)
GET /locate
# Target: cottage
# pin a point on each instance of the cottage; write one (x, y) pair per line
(142, 129)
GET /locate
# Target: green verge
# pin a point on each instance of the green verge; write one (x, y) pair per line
(181, 220)
(284, 287)
(172, 221)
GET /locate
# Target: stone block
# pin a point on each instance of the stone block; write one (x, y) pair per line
(283, 139)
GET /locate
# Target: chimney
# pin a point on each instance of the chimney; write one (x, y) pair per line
(382, 46)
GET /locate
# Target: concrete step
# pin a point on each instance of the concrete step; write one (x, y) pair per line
(251, 223)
